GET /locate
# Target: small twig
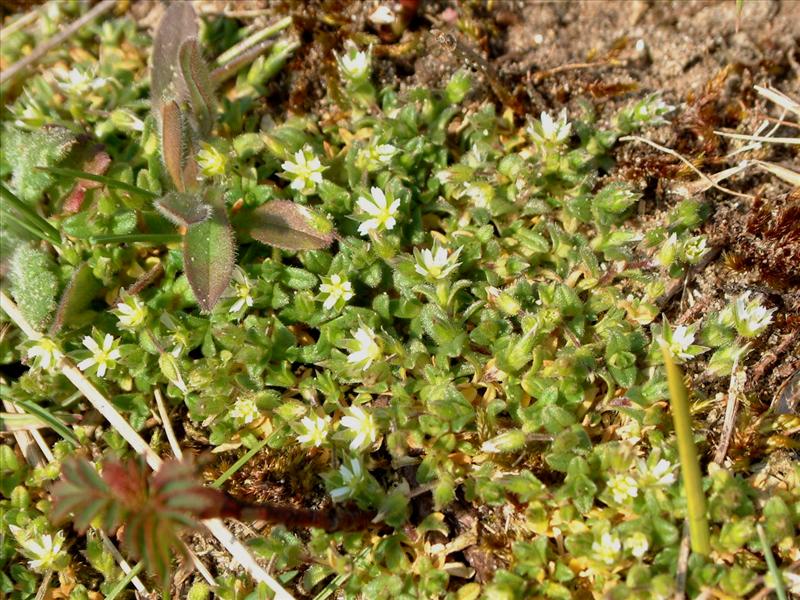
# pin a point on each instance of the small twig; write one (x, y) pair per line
(39, 52)
(686, 161)
(21, 23)
(683, 563)
(31, 452)
(124, 565)
(239, 552)
(735, 387)
(252, 40)
(167, 425)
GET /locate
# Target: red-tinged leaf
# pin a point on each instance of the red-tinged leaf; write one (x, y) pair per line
(290, 226)
(80, 491)
(183, 208)
(173, 142)
(198, 84)
(178, 24)
(127, 482)
(209, 253)
(97, 164)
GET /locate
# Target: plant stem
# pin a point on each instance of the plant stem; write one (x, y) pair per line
(107, 181)
(239, 464)
(690, 464)
(120, 587)
(252, 40)
(137, 238)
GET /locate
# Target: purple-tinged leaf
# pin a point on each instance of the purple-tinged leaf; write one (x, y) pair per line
(209, 253)
(290, 226)
(183, 208)
(198, 86)
(173, 142)
(178, 24)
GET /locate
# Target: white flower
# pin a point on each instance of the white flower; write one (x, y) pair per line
(337, 289)
(104, 357)
(77, 82)
(552, 130)
(749, 317)
(678, 341)
(694, 248)
(365, 348)
(241, 291)
(131, 312)
(382, 212)
(305, 172)
(607, 550)
(375, 156)
(622, 487)
(363, 424)
(316, 430)
(351, 477)
(435, 263)
(43, 551)
(383, 15)
(245, 411)
(354, 64)
(211, 161)
(47, 351)
(661, 474)
(637, 543)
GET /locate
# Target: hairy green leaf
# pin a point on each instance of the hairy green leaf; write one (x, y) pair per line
(290, 226)
(197, 80)
(178, 24)
(174, 142)
(76, 297)
(183, 208)
(34, 284)
(209, 253)
(25, 152)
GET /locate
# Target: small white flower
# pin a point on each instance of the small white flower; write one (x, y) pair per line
(316, 430)
(661, 474)
(354, 64)
(131, 312)
(211, 161)
(104, 357)
(552, 130)
(637, 543)
(607, 550)
(435, 263)
(305, 172)
(337, 290)
(383, 15)
(382, 212)
(245, 411)
(43, 551)
(351, 477)
(749, 317)
(47, 351)
(678, 341)
(241, 291)
(622, 487)
(76, 82)
(363, 424)
(375, 156)
(365, 348)
(694, 248)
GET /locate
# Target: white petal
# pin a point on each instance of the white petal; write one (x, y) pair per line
(390, 223)
(101, 369)
(367, 206)
(350, 422)
(368, 226)
(91, 344)
(329, 303)
(108, 340)
(86, 363)
(114, 354)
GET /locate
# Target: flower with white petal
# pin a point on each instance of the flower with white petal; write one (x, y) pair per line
(365, 348)
(305, 171)
(436, 263)
(211, 161)
(637, 543)
(351, 475)
(105, 356)
(749, 317)
(383, 15)
(335, 291)
(240, 286)
(131, 312)
(375, 156)
(659, 475)
(622, 487)
(363, 424)
(354, 64)
(680, 341)
(694, 248)
(245, 411)
(76, 82)
(45, 352)
(382, 213)
(316, 430)
(43, 552)
(550, 130)
(607, 549)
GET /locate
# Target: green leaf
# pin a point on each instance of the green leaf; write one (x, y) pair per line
(209, 253)
(290, 226)
(183, 208)
(78, 294)
(178, 24)
(197, 80)
(26, 152)
(34, 284)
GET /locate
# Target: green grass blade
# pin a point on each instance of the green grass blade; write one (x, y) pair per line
(780, 588)
(690, 464)
(239, 464)
(43, 229)
(52, 421)
(137, 238)
(107, 181)
(125, 581)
